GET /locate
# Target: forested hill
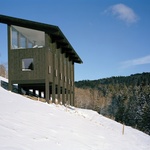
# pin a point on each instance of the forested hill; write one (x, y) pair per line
(132, 80)
(124, 99)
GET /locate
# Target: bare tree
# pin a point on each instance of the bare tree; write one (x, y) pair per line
(3, 71)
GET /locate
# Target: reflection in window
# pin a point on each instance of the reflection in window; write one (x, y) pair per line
(26, 38)
(14, 39)
(22, 41)
(30, 45)
(27, 64)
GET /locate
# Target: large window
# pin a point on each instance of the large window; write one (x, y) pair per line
(27, 64)
(26, 38)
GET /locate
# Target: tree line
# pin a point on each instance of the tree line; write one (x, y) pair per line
(124, 99)
(3, 71)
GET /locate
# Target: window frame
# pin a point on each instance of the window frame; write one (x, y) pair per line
(24, 40)
(27, 64)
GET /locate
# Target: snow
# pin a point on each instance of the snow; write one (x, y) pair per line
(32, 125)
(3, 79)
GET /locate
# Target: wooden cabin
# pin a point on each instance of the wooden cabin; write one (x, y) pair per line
(40, 58)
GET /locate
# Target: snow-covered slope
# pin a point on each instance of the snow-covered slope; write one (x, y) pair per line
(33, 125)
(3, 79)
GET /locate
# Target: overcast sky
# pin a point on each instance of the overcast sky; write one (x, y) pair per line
(112, 37)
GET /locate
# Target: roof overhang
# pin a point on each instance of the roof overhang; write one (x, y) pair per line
(54, 31)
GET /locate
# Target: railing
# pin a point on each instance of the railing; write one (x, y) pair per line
(5, 86)
(30, 95)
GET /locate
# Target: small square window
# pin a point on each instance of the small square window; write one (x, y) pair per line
(27, 64)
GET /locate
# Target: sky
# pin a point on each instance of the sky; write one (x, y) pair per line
(112, 37)
(33, 125)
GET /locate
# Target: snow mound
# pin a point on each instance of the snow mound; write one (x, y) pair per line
(33, 125)
(3, 79)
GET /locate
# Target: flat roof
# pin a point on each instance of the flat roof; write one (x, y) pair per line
(54, 32)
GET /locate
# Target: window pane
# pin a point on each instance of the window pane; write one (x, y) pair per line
(27, 64)
(30, 45)
(14, 39)
(27, 38)
(22, 41)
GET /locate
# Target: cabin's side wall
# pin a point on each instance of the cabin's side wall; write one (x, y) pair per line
(15, 58)
(60, 74)
(52, 67)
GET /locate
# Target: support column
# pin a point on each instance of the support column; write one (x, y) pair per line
(40, 93)
(47, 92)
(63, 95)
(34, 93)
(53, 72)
(73, 84)
(63, 79)
(58, 90)
(67, 84)
(67, 94)
(10, 87)
(27, 91)
(58, 75)
(44, 95)
(53, 92)
(19, 89)
(70, 98)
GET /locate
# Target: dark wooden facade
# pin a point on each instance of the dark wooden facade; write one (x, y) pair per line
(50, 67)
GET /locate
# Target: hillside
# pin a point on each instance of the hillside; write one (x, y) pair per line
(33, 125)
(124, 99)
